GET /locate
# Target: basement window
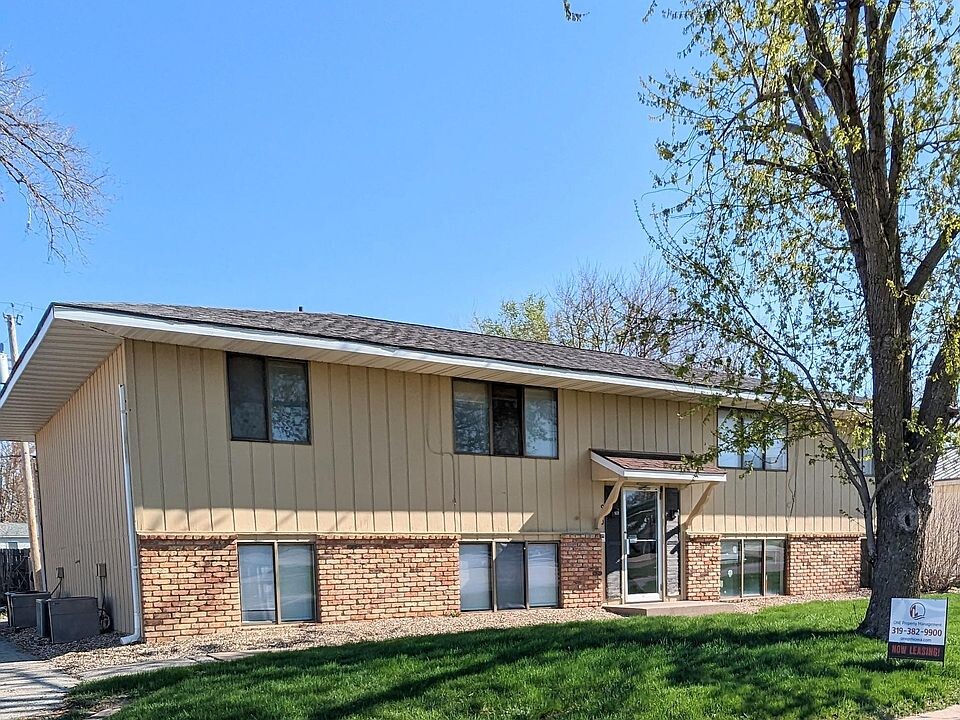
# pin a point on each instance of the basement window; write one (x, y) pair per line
(750, 567)
(277, 582)
(269, 399)
(509, 575)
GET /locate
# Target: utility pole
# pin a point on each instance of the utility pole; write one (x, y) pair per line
(33, 518)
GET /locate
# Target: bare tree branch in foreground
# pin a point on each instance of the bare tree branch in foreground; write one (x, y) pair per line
(51, 171)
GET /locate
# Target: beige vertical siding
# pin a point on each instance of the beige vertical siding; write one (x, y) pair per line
(81, 493)
(381, 461)
(376, 463)
(806, 498)
(946, 492)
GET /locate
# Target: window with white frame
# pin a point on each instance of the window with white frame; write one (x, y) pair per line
(277, 582)
(509, 575)
(733, 424)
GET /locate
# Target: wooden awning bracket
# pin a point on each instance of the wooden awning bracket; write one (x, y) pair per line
(698, 508)
(609, 503)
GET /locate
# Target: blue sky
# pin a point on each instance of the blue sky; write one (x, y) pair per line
(418, 161)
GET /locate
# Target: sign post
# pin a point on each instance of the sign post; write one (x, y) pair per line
(918, 629)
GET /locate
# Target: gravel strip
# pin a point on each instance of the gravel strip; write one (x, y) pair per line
(105, 651)
(759, 603)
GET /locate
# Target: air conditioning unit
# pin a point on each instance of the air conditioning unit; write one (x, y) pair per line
(73, 618)
(22, 608)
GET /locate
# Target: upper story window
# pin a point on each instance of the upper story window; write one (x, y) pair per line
(735, 423)
(865, 456)
(269, 400)
(496, 419)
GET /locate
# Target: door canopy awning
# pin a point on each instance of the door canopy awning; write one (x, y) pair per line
(655, 468)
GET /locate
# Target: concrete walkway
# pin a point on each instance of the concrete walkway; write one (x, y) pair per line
(29, 687)
(149, 665)
(950, 713)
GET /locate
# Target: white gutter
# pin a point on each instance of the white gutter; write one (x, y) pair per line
(663, 476)
(120, 320)
(131, 525)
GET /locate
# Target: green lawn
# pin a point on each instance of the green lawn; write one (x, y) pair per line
(799, 661)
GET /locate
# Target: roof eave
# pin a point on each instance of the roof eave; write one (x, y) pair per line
(222, 336)
(96, 333)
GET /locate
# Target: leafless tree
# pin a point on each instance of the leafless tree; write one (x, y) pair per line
(13, 503)
(940, 569)
(54, 175)
(630, 312)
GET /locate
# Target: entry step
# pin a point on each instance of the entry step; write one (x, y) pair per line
(678, 608)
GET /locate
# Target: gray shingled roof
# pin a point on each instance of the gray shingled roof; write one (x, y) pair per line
(17, 530)
(949, 466)
(406, 336)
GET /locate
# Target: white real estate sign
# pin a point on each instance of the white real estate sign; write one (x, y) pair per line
(918, 629)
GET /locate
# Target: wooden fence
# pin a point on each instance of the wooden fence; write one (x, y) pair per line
(14, 571)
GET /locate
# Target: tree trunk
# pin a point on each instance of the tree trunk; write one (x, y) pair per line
(903, 508)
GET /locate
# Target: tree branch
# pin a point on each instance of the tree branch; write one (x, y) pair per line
(940, 389)
(930, 261)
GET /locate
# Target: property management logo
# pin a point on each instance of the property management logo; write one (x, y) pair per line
(917, 611)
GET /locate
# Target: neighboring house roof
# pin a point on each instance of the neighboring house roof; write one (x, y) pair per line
(73, 339)
(13, 530)
(949, 466)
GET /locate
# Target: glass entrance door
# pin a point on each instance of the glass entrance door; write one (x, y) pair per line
(641, 544)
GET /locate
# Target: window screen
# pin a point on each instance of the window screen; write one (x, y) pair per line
(257, 598)
(471, 417)
(295, 567)
(511, 590)
(475, 566)
(774, 566)
(248, 398)
(775, 454)
(289, 408)
(540, 422)
(542, 574)
(727, 426)
(730, 568)
(753, 567)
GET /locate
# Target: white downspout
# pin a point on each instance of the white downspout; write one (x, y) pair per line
(135, 636)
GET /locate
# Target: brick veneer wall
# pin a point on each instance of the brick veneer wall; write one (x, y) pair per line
(702, 567)
(190, 585)
(371, 577)
(822, 563)
(581, 571)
